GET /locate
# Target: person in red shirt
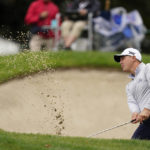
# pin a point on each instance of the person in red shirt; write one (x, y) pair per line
(39, 14)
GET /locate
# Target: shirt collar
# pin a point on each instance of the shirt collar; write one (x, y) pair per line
(138, 69)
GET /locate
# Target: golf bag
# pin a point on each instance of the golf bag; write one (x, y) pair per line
(120, 31)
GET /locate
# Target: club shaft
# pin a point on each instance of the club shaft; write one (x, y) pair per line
(109, 129)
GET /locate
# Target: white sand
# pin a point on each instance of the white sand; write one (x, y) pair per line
(69, 102)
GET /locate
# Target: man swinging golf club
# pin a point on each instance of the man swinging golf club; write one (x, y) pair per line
(138, 90)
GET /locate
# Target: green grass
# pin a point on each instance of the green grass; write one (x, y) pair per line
(15, 141)
(27, 63)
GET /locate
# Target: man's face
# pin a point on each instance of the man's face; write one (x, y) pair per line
(126, 63)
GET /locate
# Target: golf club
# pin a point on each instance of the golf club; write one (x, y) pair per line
(100, 132)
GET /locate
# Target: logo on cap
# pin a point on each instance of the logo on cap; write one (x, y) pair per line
(132, 53)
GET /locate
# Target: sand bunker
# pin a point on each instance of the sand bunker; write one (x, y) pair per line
(69, 102)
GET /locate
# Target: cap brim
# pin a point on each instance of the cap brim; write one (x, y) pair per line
(117, 57)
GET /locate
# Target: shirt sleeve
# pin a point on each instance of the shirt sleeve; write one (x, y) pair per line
(32, 16)
(133, 106)
(147, 75)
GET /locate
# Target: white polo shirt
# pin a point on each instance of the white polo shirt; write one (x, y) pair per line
(138, 90)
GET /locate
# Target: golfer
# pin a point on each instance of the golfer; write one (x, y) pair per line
(138, 90)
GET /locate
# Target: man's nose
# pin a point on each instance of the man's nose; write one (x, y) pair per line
(120, 61)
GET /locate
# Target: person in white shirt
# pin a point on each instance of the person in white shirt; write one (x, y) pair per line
(138, 90)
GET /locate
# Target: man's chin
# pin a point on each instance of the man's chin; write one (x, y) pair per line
(124, 70)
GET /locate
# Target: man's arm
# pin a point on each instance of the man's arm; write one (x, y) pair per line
(32, 17)
(145, 114)
(133, 106)
(147, 103)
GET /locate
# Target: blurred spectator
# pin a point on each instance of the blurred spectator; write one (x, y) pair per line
(39, 14)
(120, 30)
(106, 12)
(76, 19)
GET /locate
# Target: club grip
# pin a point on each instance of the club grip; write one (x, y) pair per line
(133, 120)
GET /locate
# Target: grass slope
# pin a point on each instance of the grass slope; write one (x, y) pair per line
(31, 62)
(15, 141)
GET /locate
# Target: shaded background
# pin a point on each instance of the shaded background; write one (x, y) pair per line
(12, 13)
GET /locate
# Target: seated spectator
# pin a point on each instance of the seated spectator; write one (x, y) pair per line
(106, 12)
(76, 19)
(41, 13)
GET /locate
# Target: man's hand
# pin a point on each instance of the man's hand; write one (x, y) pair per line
(144, 115)
(83, 12)
(134, 117)
(44, 14)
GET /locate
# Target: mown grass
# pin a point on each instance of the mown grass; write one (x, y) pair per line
(15, 141)
(27, 63)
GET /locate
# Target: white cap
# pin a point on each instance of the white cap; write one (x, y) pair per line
(128, 52)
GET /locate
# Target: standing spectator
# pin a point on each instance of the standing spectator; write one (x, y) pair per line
(138, 90)
(40, 13)
(72, 27)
